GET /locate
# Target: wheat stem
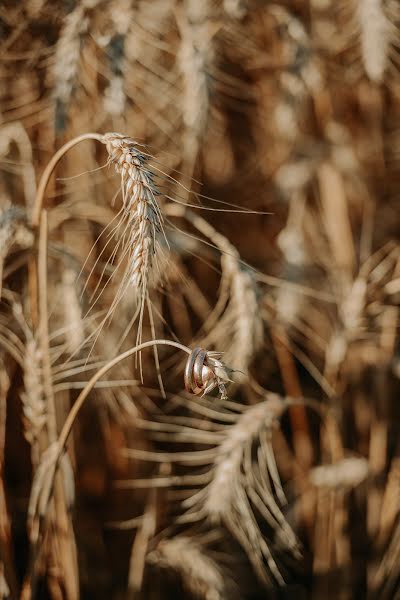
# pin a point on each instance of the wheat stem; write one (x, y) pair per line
(44, 180)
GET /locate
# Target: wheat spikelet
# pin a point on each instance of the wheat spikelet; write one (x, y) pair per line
(114, 96)
(239, 330)
(13, 229)
(200, 574)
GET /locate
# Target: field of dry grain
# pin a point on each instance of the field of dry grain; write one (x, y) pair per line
(200, 285)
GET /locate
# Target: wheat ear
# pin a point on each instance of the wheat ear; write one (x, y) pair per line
(195, 61)
(200, 574)
(237, 485)
(141, 214)
(66, 61)
(235, 324)
(376, 34)
(122, 16)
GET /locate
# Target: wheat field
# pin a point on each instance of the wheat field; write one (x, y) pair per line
(200, 285)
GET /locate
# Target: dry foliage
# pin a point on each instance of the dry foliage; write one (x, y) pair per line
(217, 177)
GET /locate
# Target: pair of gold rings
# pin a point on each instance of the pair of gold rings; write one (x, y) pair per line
(197, 371)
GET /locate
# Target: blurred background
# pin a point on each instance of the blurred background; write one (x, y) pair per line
(272, 130)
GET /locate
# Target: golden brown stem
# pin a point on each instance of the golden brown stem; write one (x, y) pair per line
(44, 180)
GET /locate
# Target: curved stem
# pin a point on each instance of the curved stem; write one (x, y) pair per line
(44, 180)
(66, 430)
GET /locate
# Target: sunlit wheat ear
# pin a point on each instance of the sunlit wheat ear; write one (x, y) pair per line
(199, 573)
(141, 217)
(375, 21)
(66, 61)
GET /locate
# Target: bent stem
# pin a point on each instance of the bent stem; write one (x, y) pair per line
(44, 180)
(66, 430)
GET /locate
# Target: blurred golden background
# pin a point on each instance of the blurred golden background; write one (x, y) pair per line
(247, 204)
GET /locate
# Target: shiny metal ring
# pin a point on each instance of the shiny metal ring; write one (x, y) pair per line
(194, 371)
(198, 368)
